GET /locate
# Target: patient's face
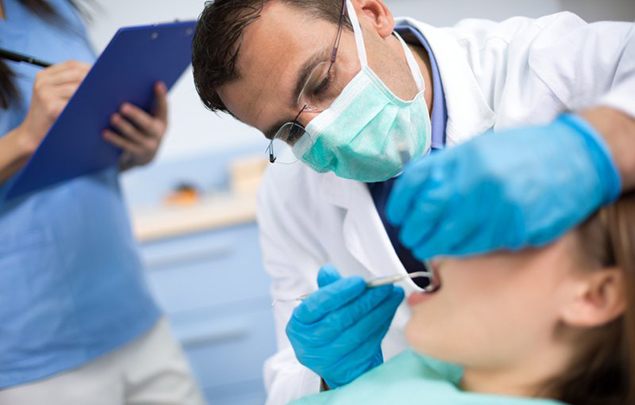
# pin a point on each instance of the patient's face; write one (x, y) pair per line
(493, 310)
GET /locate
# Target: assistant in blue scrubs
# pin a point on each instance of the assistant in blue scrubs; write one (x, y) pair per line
(71, 282)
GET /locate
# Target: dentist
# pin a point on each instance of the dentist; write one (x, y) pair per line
(355, 95)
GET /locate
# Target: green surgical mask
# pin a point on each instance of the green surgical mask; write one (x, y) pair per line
(368, 133)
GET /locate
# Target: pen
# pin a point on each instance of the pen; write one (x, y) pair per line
(16, 57)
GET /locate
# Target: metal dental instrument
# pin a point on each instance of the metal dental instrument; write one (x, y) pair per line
(379, 281)
(372, 283)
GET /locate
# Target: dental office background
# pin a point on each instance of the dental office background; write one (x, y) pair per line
(193, 210)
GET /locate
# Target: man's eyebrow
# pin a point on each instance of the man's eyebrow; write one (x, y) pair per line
(303, 75)
(306, 69)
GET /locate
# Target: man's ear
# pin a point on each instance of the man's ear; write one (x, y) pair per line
(377, 14)
(596, 299)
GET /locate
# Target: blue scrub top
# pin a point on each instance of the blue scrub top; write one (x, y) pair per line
(439, 118)
(71, 282)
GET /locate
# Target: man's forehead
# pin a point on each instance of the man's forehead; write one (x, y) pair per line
(267, 46)
(271, 50)
(280, 30)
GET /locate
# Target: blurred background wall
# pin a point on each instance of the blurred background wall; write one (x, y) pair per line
(194, 131)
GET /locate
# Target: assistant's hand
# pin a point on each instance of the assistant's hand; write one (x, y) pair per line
(52, 89)
(337, 331)
(140, 134)
(517, 188)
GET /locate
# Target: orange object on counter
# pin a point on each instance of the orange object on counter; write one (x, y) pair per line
(184, 194)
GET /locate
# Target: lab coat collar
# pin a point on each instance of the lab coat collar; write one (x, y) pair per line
(469, 113)
(363, 232)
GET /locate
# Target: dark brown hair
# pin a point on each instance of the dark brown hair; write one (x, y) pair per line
(41, 8)
(218, 34)
(603, 371)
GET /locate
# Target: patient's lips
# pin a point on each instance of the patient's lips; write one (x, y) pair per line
(417, 298)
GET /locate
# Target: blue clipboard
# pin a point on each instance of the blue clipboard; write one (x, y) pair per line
(134, 60)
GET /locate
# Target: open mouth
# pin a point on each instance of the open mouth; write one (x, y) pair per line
(435, 281)
(430, 290)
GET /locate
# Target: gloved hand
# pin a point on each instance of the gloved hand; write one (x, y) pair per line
(516, 188)
(337, 331)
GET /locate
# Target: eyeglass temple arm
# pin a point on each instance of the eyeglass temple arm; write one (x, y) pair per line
(339, 32)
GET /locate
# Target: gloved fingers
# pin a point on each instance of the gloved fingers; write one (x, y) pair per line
(370, 326)
(328, 274)
(478, 235)
(367, 355)
(328, 299)
(427, 213)
(352, 364)
(463, 243)
(411, 182)
(362, 358)
(335, 323)
(443, 236)
(355, 363)
(436, 242)
(361, 349)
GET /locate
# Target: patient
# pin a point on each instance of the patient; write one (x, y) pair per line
(547, 326)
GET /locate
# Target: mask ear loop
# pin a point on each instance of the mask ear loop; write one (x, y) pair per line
(361, 48)
(359, 37)
(412, 64)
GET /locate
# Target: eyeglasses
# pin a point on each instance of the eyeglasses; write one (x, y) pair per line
(317, 94)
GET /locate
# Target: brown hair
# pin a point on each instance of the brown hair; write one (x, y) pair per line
(41, 8)
(603, 371)
(216, 42)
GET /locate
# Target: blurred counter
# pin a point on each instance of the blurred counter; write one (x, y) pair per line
(203, 200)
(210, 213)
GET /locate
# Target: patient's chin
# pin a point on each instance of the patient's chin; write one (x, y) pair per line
(428, 338)
(416, 336)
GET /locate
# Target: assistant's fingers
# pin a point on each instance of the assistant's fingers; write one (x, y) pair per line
(128, 130)
(329, 298)
(58, 67)
(145, 122)
(73, 74)
(161, 102)
(122, 142)
(64, 92)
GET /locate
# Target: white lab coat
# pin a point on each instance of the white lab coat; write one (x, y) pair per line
(495, 75)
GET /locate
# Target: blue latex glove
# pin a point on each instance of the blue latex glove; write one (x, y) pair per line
(516, 188)
(337, 331)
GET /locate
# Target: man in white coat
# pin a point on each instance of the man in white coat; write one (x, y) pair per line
(336, 81)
